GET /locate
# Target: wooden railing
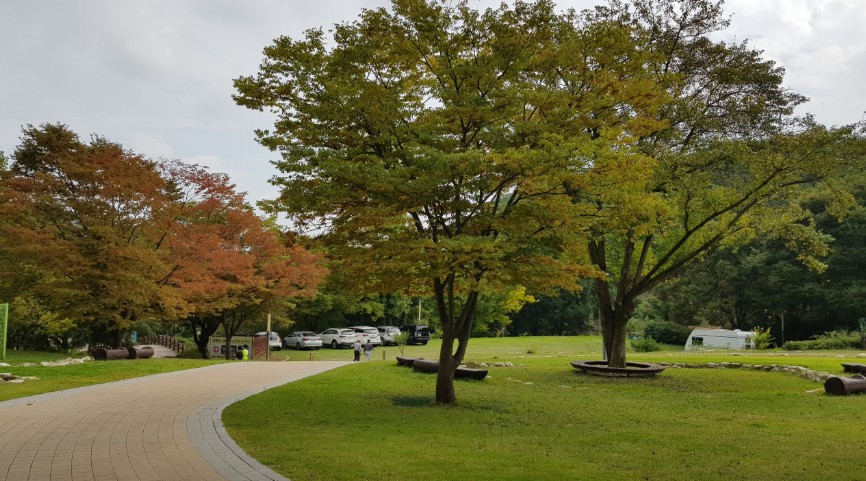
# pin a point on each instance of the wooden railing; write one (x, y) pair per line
(163, 340)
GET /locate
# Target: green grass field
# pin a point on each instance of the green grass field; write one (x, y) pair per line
(543, 420)
(56, 378)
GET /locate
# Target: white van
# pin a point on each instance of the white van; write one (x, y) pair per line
(723, 338)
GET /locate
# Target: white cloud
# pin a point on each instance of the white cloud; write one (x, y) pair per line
(157, 75)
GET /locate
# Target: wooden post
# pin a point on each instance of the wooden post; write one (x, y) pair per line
(268, 336)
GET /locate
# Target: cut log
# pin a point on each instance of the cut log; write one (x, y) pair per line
(143, 352)
(102, 354)
(843, 386)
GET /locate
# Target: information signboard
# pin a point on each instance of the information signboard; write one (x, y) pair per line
(217, 348)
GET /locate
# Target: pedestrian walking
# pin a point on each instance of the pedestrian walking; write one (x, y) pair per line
(357, 348)
(368, 349)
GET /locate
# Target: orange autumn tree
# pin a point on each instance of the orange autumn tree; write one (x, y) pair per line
(230, 265)
(82, 221)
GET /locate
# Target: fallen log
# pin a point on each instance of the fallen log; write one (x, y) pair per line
(843, 386)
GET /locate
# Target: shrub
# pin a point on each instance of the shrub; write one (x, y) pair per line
(646, 344)
(667, 332)
(190, 353)
(401, 340)
(828, 340)
(762, 338)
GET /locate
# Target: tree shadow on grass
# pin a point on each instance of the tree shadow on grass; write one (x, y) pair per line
(412, 401)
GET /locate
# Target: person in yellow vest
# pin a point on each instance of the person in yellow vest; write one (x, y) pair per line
(245, 353)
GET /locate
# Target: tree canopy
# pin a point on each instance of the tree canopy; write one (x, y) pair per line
(424, 145)
(434, 146)
(97, 236)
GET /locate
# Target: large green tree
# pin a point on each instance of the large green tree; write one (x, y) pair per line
(432, 145)
(725, 163)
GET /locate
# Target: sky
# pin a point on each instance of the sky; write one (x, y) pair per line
(156, 75)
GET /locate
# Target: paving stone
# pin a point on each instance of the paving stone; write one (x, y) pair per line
(164, 427)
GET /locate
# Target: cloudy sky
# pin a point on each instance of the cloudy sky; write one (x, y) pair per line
(156, 75)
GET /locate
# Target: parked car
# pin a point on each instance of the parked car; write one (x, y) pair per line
(417, 334)
(274, 341)
(303, 340)
(367, 333)
(338, 337)
(388, 334)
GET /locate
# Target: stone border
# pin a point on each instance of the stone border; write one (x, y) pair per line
(803, 372)
(208, 435)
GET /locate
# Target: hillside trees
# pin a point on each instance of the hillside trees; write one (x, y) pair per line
(762, 281)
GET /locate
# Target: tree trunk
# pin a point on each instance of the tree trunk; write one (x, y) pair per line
(614, 334)
(116, 338)
(202, 330)
(455, 327)
(615, 313)
(445, 393)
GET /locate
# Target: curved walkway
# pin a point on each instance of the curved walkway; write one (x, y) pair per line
(156, 428)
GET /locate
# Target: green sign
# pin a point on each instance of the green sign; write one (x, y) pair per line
(4, 322)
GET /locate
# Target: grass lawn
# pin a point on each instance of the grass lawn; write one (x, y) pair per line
(543, 420)
(56, 378)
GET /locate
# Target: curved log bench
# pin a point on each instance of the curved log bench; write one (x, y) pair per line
(632, 369)
(470, 373)
(854, 367)
(425, 365)
(407, 361)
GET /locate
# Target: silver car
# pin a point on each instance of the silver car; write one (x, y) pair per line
(338, 337)
(388, 334)
(303, 340)
(367, 333)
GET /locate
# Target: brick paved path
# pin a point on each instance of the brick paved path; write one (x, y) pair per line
(156, 428)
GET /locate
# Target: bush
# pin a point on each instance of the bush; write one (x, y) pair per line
(828, 340)
(190, 353)
(762, 338)
(667, 332)
(647, 344)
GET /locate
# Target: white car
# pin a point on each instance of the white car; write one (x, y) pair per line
(338, 337)
(274, 341)
(388, 334)
(367, 333)
(303, 340)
